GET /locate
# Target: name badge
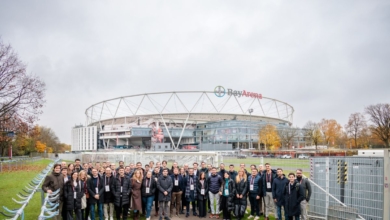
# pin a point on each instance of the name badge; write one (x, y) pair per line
(226, 192)
(268, 185)
(202, 191)
(192, 187)
(155, 179)
(107, 188)
(176, 182)
(147, 190)
(74, 195)
(97, 190)
(251, 187)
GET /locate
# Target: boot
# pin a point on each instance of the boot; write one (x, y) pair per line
(136, 215)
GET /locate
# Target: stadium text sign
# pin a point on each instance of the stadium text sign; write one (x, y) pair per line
(220, 91)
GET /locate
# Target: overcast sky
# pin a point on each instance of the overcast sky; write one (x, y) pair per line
(327, 59)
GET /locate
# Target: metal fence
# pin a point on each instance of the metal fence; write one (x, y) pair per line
(50, 205)
(17, 163)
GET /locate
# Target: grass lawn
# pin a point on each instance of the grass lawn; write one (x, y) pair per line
(13, 182)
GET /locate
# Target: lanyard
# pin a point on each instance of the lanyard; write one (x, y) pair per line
(289, 188)
(252, 180)
(105, 181)
(97, 183)
(191, 180)
(268, 177)
(148, 181)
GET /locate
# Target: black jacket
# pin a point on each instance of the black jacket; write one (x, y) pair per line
(126, 190)
(164, 183)
(293, 196)
(92, 190)
(69, 191)
(232, 194)
(199, 190)
(242, 189)
(108, 196)
(152, 190)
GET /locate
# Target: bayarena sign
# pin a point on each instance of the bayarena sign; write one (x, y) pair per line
(220, 91)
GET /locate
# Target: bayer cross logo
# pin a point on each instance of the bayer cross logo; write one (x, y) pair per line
(219, 91)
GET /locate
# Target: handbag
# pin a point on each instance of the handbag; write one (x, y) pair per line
(83, 200)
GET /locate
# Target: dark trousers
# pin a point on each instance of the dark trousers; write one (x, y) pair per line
(69, 214)
(176, 199)
(122, 209)
(224, 205)
(292, 217)
(193, 206)
(208, 203)
(183, 201)
(156, 203)
(202, 207)
(86, 211)
(254, 205)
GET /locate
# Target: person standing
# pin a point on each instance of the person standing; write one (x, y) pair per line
(177, 190)
(253, 185)
(190, 191)
(232, 172)
(261, 200)
(149, 186)
(202, 192)
(306, 192)
(278, 192)
(96, 194)
(183, 175)
(156, 175)
(108, 206)
(214, 182)
(121, 189)
(267, 180)
(293, 193)
(136, 184)
(227, 192)
(222, 170)
(241, 194)
(164, 186)
(52, 183)
(72, 194)
(83, 178)
(77, 166)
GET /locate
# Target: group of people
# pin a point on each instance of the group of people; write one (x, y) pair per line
(207, 189)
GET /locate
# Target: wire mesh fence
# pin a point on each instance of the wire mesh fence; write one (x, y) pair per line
(17, 163)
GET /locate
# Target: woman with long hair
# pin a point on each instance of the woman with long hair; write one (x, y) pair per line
(72, 193)
(83, 177)
(241, 194)
(227, 192)
(136, 184)
(70, 168)
(202, 192)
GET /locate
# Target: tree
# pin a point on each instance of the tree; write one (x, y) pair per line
(269, 137)
(21, 94)
(41, 147)
(47, 136)
(380, 119)
(331, 130)
(313, 132)
(356, 126)
(287, 135)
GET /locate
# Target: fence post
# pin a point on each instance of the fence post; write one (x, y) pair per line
(1, 166)
(326, 186)
(386, 185)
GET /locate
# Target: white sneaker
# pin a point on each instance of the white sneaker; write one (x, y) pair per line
(250, 217)
(111, 218)
(105, 218)
(246, 212)
(148, 218)
(257, 218)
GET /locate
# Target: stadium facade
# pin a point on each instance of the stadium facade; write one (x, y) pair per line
(205, 120)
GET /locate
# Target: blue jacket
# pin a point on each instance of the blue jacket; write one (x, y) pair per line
(181, 181)
(264, 180)
(214, 183)
(278, 189)
(256, 182)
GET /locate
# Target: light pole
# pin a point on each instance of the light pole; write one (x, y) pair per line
(250, 127)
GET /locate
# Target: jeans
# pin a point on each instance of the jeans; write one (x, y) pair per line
(254, 205)
(279, 212)
(100, 210)
(216, 197)
(148, 204)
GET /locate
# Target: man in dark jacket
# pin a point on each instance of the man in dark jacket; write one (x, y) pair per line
(306, 192)
(177, 190)
(253, 189)
(293, 197)
(164, 186)
(268, 178)
(232, 172)
(52, 183)
(108, 179)
(214, 182)
(121, 188)
(156, 174)
(204, 168)
(222, 170)
(278, 186)
(261, 200)
(77, 165)
(190, 182)
(95, 187)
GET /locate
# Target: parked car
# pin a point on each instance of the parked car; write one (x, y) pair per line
(270, 156)
(241, 156)
(286, 156)
(255, 155)
(303, 156)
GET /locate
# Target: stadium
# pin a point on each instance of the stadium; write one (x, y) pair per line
(223, 119)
